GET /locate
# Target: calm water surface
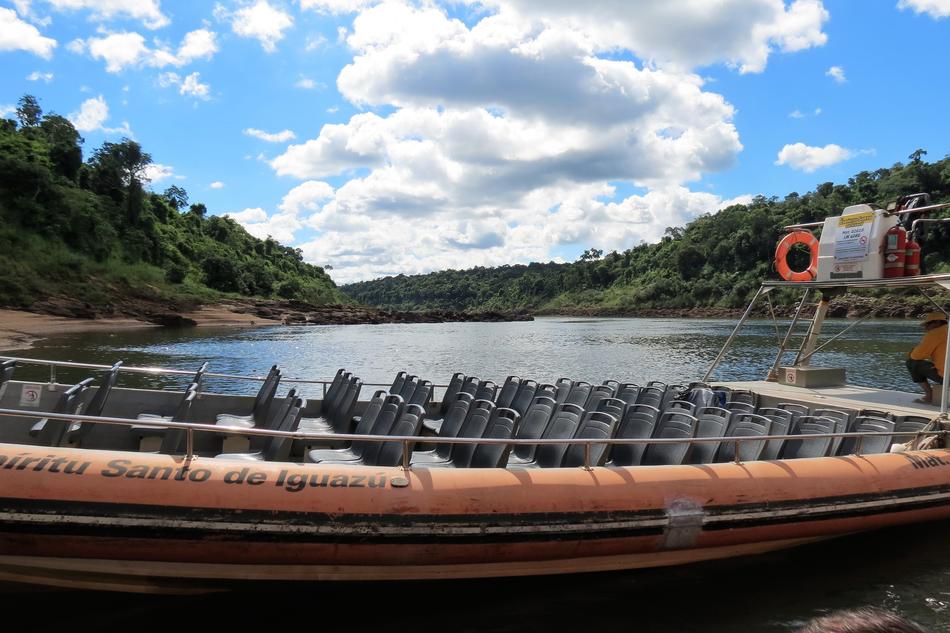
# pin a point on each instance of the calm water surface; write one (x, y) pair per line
(906, 569)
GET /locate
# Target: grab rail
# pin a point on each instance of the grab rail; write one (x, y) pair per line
(158, 371)
(408, 440)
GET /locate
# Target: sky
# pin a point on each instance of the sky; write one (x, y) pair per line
(393, 136)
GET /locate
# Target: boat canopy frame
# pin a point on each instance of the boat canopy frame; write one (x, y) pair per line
(940, 280)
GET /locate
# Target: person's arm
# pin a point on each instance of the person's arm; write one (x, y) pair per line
(925, 349)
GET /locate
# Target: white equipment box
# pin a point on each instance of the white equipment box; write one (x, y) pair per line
(852, 246)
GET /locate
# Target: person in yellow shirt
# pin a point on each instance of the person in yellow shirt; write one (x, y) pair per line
(925, 361)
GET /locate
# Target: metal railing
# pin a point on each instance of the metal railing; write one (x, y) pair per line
(163, 371)
(409, 440)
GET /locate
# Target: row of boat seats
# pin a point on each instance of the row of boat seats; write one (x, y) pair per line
(54, 433)
(518, 393)
(386, 414)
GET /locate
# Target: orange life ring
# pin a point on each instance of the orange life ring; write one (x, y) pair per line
(799, 236)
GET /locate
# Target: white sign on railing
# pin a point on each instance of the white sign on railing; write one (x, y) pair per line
(853, 237)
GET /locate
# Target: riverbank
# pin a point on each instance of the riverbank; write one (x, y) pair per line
(20, 329)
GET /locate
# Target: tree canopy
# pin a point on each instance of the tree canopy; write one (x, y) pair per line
(716, 261)
(91, 229)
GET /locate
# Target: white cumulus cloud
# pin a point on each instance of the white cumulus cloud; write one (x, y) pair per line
(17, 35)
(92, 115)
(148, 11)
(157, 172)
(262, 22)
(809, 159)
(191, 85)
(217, 184)
(936, 9)
(836, 73)
(129, 50)
(276, 137)
(38, 76)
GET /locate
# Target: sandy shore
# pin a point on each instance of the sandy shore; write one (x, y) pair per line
(20, 330)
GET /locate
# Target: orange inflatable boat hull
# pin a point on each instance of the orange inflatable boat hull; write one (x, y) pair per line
(147, 522)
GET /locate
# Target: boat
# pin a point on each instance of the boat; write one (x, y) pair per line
(187, 490)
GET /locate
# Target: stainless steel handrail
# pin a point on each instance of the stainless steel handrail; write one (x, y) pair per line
(192, 427)
(158, 371)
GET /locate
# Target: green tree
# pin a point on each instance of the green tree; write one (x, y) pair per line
(28, 111)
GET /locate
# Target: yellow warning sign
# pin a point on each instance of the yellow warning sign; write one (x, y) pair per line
(855, 219)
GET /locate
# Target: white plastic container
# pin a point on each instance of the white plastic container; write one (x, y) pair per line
(852, 245)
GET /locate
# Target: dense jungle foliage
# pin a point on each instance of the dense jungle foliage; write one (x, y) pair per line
(716, 261)
(90, 230)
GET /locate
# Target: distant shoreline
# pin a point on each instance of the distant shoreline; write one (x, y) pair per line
(20, 329)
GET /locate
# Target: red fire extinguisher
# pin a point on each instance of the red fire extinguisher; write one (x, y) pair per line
(895, 252)
(912, 257)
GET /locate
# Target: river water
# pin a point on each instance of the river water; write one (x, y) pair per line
(906, 570)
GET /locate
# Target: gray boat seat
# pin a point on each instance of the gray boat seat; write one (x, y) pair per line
(451, 426)
(390, 409)
(908, 425)
(810, 447)
(409, 424)
(628, 392)
(563, 387)
(671, 393)
(597, 393)
(711, 422)
(486, 391)
(459, 455)
(509, 390)
(455, 384)
(195, 385)
(547, 390)
(339, 419)
(422, 394)
(876, 413)
(174, 439)
(613, 406)
(53, 432)
(745, 425)
(844, 419)
(871, 444)
(398, 382)
(503, 426)
(670, 425)
(595, 425)
(470, 386)
(614, 387)
(658, 384)
(365, 427)
(676, 406)
(737, 406)
(651, 396)
(784, 422)
(262, 401)
(800, 409)
(744, 395)
(408, 388)
(579, 393)
(639, 422)
(526, 393)
(532, 427)
(563, 425)
(78, 430)
(278, 448)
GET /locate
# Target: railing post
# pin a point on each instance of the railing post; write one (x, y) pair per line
(587, 456)
(857, 449)
(405, 454)
(738, 459)
(52, 376)
(189, 446)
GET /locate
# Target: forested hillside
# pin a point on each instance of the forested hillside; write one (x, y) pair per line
(716, 261)
(89, 229)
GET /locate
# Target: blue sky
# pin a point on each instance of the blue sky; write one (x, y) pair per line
(403, 137)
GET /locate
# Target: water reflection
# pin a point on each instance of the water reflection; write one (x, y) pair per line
(637, 350)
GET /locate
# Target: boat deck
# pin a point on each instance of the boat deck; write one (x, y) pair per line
(848, 397)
